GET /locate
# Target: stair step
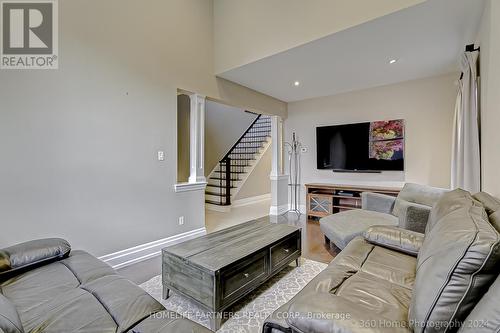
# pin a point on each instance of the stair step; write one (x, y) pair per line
(255, 136)
(224, 179)
(215, 194)
(259, 131)
(253, 141)
(236, 172)
(218, 186)
(241, 159)
(245, 151)
(246, 143)
(251, 144)
(215, 203)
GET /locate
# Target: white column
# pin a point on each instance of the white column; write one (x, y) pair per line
(276, 137)
(197, 139)
(279, 181)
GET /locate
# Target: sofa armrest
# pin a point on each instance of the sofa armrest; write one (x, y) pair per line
(377, 202)
(394, 238)
(413, 216)
(32, 253)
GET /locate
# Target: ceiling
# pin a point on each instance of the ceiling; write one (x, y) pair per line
(426, 40)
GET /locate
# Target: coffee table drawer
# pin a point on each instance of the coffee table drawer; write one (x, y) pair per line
(243, 276)
(283, 250)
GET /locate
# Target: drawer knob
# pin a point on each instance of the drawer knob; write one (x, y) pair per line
(246, 275)
(287, 250)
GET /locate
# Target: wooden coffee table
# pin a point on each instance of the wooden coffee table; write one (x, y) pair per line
(218, 269)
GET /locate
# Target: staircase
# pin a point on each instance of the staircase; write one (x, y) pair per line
(231, 172)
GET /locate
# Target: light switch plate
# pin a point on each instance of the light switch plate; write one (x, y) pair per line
(161, 155)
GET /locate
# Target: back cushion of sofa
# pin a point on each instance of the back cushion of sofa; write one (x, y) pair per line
(9, 318)
(495, 220)
(455, 266)
(419, 194)
(490, 203)
(27, 255)
(448, 203)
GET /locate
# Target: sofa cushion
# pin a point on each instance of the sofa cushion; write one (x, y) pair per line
(419, 194)
(342, 227)
(495, 220)
(78, 294)
(490, 203)
(395, 238)
(22, 256)
(168, 322)
(485, 317)
(126, 302)
(448, 203)
(9, 318)
(365, 282)
(456, 264)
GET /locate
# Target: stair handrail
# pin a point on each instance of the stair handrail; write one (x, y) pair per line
(241, 138)
(225, 163)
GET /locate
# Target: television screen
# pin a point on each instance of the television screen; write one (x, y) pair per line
(372, 146)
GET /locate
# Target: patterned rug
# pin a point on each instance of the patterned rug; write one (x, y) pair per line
(249, 314)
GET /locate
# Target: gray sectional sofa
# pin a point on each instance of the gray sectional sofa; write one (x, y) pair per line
(395, 280)
(409, 210)
(46, 287)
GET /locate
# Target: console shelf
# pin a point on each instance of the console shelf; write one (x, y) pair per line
(326, 199)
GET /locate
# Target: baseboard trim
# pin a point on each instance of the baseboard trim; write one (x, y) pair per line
(146, 251)
(217, 208)
(251, 200)
(302, 208)
(278, 210)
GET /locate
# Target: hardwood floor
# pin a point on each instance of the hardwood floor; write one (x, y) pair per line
(313, 247)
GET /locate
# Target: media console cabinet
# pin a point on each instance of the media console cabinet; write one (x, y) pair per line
(327, 199)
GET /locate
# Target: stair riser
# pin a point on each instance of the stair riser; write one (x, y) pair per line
(217, 182)
(214, 198)
(242, 169)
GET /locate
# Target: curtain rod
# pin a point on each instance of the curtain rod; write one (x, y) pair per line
(470, 48)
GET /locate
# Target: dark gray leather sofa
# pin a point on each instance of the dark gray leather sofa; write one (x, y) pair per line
(46, 287)
(395, 280)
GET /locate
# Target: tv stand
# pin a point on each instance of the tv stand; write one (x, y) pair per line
(326, 199)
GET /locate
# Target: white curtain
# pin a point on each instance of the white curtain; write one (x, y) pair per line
(466, 158)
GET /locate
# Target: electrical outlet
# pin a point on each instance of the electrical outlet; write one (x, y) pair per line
(181, 220)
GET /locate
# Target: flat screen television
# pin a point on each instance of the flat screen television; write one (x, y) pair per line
(364, 147)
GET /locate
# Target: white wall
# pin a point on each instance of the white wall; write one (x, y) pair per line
(489, 40)
(224, 125)
(248, 30)
(258, 182)
(427, 105)
(78, 145)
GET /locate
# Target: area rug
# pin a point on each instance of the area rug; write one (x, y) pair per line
(249, 314)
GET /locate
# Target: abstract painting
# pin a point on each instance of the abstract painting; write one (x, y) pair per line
(387, 140)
